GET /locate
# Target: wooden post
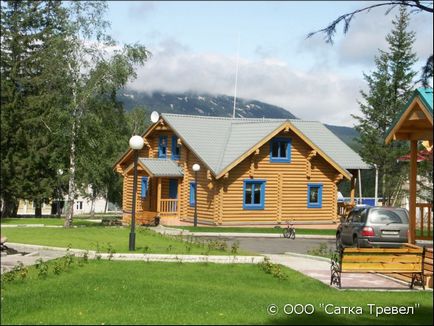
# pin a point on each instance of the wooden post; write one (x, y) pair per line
(352, 189)
(178, 203)
(158, 196)
(412, 203)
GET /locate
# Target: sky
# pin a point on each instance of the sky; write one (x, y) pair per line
(195, 46)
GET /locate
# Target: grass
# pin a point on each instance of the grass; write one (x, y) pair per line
(101, 238)
(255, 230)
(115, 292)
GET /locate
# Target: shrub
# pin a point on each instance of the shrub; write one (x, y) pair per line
(274, 269)
(42, 268)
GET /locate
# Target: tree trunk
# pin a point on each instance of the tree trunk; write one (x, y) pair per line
(72, 167)
(38, 208)
(9, 208)
(92, 207)
(106, 202)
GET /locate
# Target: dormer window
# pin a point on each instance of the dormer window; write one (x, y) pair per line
(162, 147)
(280, 150)
(176, 149)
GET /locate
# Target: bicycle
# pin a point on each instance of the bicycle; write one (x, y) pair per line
(289, 231)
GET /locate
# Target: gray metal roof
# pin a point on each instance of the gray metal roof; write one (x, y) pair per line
(331, 144)
(220, 141)
(162, 167)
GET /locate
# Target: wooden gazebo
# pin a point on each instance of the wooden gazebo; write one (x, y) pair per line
(415, 123)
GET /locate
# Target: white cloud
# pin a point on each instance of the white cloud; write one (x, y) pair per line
(368, 32)
(324, 95)
(138, 10)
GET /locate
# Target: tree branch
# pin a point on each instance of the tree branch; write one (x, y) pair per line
(330, 30)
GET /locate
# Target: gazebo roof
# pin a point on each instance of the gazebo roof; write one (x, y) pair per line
(415, 121)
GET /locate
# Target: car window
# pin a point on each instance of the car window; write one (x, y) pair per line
(357, 218)
(383, 216)
(350, 217)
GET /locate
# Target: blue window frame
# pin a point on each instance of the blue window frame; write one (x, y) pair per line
(280, 150)
(144, 190)
(192, 190)
(314, 195)
(254, 194)
(176, 150)
(162, 147)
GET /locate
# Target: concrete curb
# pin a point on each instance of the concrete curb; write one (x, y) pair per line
(148, 257)
(173, 231)
(308, 256)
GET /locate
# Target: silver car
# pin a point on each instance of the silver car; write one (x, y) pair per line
(373, 227)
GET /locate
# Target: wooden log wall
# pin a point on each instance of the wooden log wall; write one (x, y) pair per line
(286, 187)
(221, 201)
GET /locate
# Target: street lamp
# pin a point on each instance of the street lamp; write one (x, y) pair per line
(196, 168)
(136, 144)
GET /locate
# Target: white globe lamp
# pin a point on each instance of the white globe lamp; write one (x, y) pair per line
(196, 167)
(136, 142)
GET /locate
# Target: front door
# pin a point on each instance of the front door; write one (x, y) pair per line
(173, 188)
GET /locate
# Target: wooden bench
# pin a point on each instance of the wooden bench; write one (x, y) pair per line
(144, 218)
(406, 260)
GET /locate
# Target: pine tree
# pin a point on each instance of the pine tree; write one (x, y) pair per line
(31, 97)
(389, 86)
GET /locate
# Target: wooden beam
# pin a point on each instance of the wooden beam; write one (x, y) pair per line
(178, 204)
(311, 155)
(412, 191)
(352, 189)
(308, 169)
(338, 178)
(158, 196)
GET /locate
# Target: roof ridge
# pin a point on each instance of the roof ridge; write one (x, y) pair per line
(222, 154)
(237, 120)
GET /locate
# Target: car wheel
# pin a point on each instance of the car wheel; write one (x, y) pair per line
(339, 243)
(356, 242)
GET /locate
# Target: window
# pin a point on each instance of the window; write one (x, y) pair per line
(280, 150)
(192, 191)
(254, 194)
(162, 147)
(176, 150)
(314, 195)
(79, 205)
(144, 191)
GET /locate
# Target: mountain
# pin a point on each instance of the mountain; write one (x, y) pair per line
(216, 105)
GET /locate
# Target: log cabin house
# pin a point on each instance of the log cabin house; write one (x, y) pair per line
(253, 171)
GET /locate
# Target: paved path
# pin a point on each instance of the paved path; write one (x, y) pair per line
(319, 269)
(173, 231)
(315, 267)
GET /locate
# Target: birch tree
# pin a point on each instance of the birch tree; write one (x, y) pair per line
(96, 65)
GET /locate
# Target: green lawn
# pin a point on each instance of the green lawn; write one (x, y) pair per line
(47, 221)
(115, 292)
(92, 238)
(255, 230)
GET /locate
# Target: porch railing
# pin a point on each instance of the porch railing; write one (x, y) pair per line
(168, 207)
(424, 221)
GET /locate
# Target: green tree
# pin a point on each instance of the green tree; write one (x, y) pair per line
(32, 101)
(137, 120)
(98, 67)
(389, 86)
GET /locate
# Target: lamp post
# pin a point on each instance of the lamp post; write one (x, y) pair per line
(196, 168)
(136, 144)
